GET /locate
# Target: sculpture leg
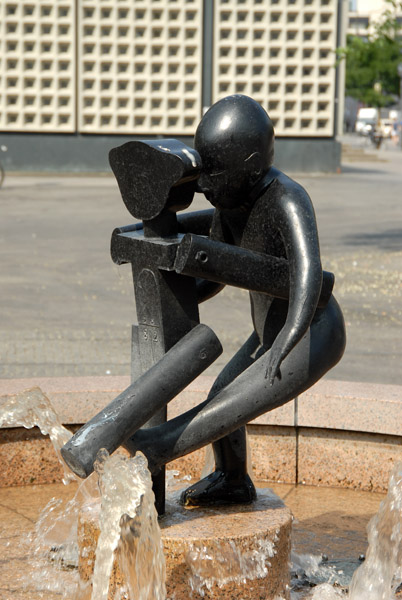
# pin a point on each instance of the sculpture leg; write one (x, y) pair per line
(229, 483)
(249, 395)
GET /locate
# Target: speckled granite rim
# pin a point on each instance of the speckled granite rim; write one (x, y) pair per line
(336, 434)
(329, 404)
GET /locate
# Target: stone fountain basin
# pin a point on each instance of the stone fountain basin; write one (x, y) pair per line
(337, 435)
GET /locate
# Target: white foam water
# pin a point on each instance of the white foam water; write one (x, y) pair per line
(128, 520)
(32, 408)
(226, 562)
(129, 529)
(379, 576)
(53, 546)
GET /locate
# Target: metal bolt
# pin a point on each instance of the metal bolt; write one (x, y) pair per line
(201, 256)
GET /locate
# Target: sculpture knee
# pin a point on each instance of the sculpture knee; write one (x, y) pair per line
(338, 331)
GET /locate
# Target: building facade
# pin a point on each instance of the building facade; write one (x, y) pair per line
(365, 14)
(80, 76)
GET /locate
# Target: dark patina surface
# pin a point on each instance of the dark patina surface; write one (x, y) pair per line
(261, 236)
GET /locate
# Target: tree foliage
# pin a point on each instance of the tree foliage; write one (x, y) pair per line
(372, 64)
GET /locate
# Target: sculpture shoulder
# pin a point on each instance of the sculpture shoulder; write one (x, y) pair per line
(219, 230)
(285, 189)
(285, 196)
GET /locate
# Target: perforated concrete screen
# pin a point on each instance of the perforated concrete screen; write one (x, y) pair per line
(136, 66)
(140, 66)
(37, 65)
(280, 52)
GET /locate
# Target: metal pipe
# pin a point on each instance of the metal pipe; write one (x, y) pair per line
(142, 399)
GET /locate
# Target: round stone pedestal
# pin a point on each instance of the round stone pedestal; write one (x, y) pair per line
(236, 552)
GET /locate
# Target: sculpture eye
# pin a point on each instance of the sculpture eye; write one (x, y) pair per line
(217, 174)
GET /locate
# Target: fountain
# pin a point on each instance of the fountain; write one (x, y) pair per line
(219, 537)
(262, 236)
(112, 538)
(54, 564)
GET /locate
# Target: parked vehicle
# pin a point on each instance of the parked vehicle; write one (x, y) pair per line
(386, 127)
(366, 121)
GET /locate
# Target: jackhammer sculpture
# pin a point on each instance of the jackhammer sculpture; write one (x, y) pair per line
(262, 236)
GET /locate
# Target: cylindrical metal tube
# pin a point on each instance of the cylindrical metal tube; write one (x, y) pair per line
(224, 263)
(142, 399)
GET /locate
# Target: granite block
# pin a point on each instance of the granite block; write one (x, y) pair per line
(191, 465)
(273, 453)
(347, 459)
(332, 410)
(351, 406)
(27, 457)
(233, 535)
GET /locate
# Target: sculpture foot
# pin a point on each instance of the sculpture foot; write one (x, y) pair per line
(219, 488)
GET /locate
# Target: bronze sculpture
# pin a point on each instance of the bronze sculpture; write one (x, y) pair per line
(262, 235)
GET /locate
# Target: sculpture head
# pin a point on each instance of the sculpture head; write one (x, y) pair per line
(235, 140)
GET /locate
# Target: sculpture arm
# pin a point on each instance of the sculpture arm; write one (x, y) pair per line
(294, 216)
(198, 222)
(208, 289)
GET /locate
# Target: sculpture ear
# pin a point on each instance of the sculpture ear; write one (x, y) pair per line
(254, 165)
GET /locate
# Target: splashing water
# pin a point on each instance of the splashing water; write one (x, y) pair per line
(311, 569)
(128, 516)
(129, 523)
(53, 545)
(227, 562)
(32, 408)
(325, 591)
(380, 575)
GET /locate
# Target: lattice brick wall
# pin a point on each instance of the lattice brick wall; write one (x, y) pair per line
(37, 65)
(140, 66)
(282, 54)
(139, 63)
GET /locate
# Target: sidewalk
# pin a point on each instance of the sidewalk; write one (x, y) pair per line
(67, 309)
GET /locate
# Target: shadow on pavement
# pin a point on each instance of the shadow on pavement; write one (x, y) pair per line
(361, 170)
(389, 240)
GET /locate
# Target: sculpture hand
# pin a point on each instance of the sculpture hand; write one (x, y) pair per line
(275, 357)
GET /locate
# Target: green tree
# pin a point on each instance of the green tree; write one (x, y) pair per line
(371, 64)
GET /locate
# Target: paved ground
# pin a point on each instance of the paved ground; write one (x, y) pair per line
(66, 309)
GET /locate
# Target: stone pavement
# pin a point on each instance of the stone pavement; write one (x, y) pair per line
(66, 309)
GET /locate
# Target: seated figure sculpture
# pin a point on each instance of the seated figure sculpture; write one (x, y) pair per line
(262, 237)
(294, 342)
